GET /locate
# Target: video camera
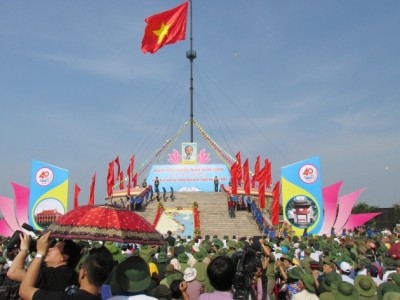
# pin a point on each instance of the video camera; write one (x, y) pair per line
(15, 240)
(246, 262)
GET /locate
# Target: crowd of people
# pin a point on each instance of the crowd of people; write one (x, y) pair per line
(268, 267)
(246, 203)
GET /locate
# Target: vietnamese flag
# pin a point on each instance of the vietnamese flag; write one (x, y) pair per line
(76, 194)
(165, 28)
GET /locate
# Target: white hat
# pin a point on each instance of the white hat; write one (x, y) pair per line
(314, 256)
(175, 262)
(190, 274)
(345, 267)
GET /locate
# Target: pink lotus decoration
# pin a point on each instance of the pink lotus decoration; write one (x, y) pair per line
(203, 157)
(340, 216)
(175, 157)
(15, 212)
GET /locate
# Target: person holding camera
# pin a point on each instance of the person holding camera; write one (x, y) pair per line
(268, 248)
(56, 273)
(94, 271)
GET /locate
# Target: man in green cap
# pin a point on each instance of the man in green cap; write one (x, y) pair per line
(183, 259)
(307, 288)
(200, 266)
(365, 287)
(161, 264)
(269, 264)
(305, 262)
(329, 284)
(345, 291)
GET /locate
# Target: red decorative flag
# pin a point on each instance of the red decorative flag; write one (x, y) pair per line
(246, 177)
(110, 178)
(256, 171)
(134, 180)
(165, 28)
(76, 195)
(118, 165)
(276, 196)
(239, 168)
(129, 180)
(260, 176)
(132, 164)
(234, 178)
(121, 180)
(92, 187)
(261, 194)
(268, 176)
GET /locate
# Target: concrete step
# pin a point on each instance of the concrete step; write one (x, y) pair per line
(214, 216)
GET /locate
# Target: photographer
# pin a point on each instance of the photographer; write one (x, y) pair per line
(268, 248)
(56, 273)
(94, 271)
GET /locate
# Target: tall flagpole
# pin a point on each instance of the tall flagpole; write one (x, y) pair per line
(191, 55)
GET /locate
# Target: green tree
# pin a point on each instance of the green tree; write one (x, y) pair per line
(396, 208)
(363, 207)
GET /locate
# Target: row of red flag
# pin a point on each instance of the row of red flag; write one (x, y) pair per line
(240, 175)
(111, 176)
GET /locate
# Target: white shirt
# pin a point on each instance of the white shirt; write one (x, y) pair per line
(305, 295)
(347, 279)
(385, 276)
(137, 297)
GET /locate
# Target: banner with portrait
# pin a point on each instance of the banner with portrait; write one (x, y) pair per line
(302, 196)
(189, 153)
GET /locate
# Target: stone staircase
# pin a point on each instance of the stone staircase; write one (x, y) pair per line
(214, 217)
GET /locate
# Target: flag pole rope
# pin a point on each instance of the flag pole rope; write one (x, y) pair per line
(222, 154)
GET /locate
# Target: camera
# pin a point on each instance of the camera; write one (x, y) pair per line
(246, 262)
(15, 240)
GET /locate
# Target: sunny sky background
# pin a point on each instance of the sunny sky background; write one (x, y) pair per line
(286, 80)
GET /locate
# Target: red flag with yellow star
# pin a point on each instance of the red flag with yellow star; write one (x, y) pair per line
(165, 28)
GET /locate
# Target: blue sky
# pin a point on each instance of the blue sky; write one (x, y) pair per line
(286, 80)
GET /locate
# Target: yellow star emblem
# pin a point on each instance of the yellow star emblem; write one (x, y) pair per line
(162, 32)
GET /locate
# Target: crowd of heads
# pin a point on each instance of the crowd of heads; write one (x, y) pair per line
(343, 267)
